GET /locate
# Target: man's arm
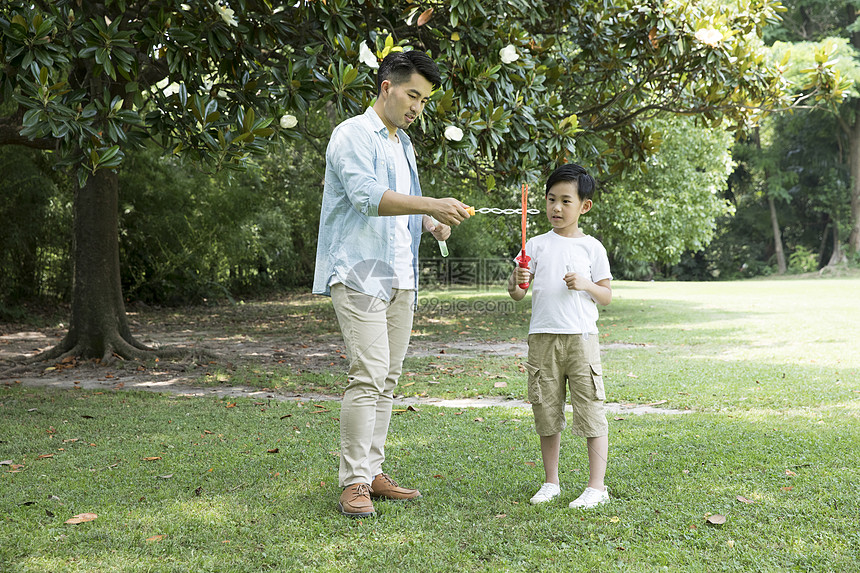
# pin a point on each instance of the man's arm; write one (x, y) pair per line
(449, 211)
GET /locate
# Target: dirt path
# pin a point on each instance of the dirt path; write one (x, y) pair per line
(178, 378)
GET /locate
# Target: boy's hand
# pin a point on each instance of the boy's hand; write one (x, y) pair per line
(522, 275)
(576, 281)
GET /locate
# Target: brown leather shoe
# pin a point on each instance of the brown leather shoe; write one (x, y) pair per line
(355, 501)
(385, 487)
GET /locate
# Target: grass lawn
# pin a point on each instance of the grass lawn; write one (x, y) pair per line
(770, 370)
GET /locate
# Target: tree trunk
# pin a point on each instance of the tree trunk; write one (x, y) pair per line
(98, 327)
(838, 256)
(777, 237)
(854, 163)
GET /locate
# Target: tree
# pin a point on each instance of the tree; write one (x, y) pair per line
(816, 25)
(657, 213)
(214, 83)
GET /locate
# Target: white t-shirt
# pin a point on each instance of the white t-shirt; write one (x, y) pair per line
(555, 308)
(404, 275)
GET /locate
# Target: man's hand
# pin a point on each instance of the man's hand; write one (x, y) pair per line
(440, 231)
(449, 211)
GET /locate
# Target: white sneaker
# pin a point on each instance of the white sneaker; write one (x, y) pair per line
(547, 492)
(590, 498)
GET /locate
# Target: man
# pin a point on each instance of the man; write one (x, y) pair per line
(367, 261)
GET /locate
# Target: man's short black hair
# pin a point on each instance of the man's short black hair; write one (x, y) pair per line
(398, 67)
(572, 172)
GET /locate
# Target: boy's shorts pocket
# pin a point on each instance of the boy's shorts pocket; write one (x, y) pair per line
(534, 392)
(597, 380)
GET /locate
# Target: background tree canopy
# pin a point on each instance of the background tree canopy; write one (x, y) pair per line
(105, 88)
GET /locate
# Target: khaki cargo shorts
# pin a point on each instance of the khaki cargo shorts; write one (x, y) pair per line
(555, 362)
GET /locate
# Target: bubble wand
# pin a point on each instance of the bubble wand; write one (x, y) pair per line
(522, 258)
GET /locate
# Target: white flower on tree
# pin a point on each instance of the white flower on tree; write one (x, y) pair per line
(509, 54)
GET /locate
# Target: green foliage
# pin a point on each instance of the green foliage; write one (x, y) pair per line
(802, 260)
(211, 81)
(34, 241)
(658, 214)
(189, 236)
(217, 85)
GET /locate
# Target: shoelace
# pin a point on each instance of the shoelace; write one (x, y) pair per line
(362, 490)
(388, 479)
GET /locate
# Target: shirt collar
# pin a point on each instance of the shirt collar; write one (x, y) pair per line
(377, 121)
(379, 127)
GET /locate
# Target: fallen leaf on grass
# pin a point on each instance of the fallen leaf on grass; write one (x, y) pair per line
(408, 384)
(787, 488)
(614, 519)
(272, 451)
(532, 464)
(478, 420)
(151, 458)
(168, 476)
(412, 408)
(500, 385)
(43, 456)
(501, 515)
(155, 538)
(742, 499)
(657, 403)
(81, 518)
(231, 405)
(716, 519)
(790, 473)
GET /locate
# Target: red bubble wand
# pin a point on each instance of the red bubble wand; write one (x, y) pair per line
(523, 259)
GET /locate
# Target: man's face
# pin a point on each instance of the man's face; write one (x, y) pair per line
(403, 103)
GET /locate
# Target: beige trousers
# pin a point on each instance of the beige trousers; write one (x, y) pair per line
(376, 334)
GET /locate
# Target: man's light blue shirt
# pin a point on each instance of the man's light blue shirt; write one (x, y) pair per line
(356, 245)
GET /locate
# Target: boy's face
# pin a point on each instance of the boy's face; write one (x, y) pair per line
(401, 104)
(563, 207)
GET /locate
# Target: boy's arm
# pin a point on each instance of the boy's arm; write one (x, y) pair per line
(601, 292)
(518, 276)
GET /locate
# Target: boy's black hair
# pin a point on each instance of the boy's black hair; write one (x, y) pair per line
(398, 67)
(572, 172)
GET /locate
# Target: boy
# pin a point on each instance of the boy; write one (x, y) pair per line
(570, 272)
